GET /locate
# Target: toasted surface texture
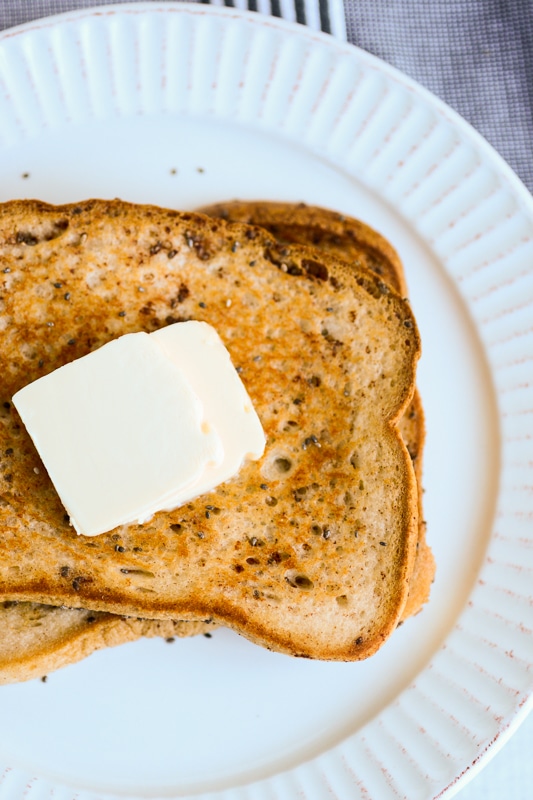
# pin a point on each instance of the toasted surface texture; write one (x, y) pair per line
(298, 223)
(308, 551)
(358, 244)
(37, 639)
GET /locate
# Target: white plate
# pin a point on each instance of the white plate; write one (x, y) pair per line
(182, 105)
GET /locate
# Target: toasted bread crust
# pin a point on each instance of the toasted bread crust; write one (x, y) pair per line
(413, 430)
(359, 244)
(338, 599)
(332, 232)
(39, 639)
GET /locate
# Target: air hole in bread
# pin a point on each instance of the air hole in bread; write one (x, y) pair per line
(342, 600)
(289, 425)
(143, 573)
(298, 581)
(355, 460)
(316, 269)
(278, 464)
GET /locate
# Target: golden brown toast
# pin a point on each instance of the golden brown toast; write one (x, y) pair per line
(359, 244)
(308, 551)
(37, 639)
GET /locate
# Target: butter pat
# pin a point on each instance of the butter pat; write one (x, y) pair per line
(198, 350)
(144, 424)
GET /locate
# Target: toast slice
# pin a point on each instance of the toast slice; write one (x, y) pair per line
(38, 639)
(359, 244)
(309, 551)
(52, 637)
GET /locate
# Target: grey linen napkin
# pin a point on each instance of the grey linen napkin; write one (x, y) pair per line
(476, 55)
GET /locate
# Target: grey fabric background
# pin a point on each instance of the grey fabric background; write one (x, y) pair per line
(476, 55)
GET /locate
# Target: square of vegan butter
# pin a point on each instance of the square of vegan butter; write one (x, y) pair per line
(143, 424)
